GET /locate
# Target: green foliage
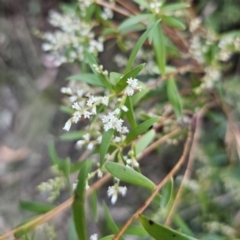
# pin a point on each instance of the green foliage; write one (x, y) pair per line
(129, 112)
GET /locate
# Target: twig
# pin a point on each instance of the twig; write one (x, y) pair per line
(184, 69)
(113, 7)
(158, 187)
(49, 215)
(65, 205)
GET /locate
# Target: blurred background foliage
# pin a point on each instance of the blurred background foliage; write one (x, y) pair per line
(30, 118)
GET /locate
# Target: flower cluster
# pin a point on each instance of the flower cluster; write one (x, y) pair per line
(227, 46)
(112, 121)
(133, 86)
(85, 108)
(155, 5)
(68, 43)
(131, 159)
(53, 186)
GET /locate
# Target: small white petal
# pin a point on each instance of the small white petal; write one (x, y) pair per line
(114, 199)
(94, 237)
(67, 125)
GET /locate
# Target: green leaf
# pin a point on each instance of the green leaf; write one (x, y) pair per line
(179, 222)
(127, 174)
(160, 232)
(130, 112)
(110, 222)
(136, 230)
(75, 135)
(144, 141)
(24, 231)
(123, 81)
(53, 154)
(109, 237)
(142, 3)
(174, 97)
(167, 194)
(26, 237)
(140, 129)
(35, 206)
(159, 48)
(67, 109)
(115, 77)
(174, 22)
(138, 45)
(78, 203)
(72, 234)
(106, 139)
(129, 22)
(89, 78)
(76, 167)
(139, 95)
(91, 61)
(174, 7)
(94, 205)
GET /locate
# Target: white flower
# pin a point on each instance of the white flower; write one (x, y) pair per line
(105, 100)
(90, 146)
(99, 173)
(94, 237)
(112, 122)
(99, 139)
(132, 162)
(66, 90)
(117, 139)
(132, 86)
(124, 108)
(107, 13)
(129, 91)
(74, 185)
(79, 143)
(67, 125)
(114, 190)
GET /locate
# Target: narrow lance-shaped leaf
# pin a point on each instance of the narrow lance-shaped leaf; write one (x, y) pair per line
(35, 206)
(123, 81)
(94, 205)
(174, 97)
(109, 237)
(75, 135)
(167, 192)
(91, 61)
(25, 230)
(130, 112)
(133, 20)
(110, 222)
(160, 232)
(144, 141)
(142, 3)
(139, 95)
(159, 48)
(174, 7)
(78, 203)
(138, 45)
(173, 22)
(140, 129)
(127, 174)
(89, 78)
(106, 139)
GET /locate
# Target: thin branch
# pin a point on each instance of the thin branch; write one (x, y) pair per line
(158, 187)
(65, 205)
(188, 68)
(49, 215)
(113, 7)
